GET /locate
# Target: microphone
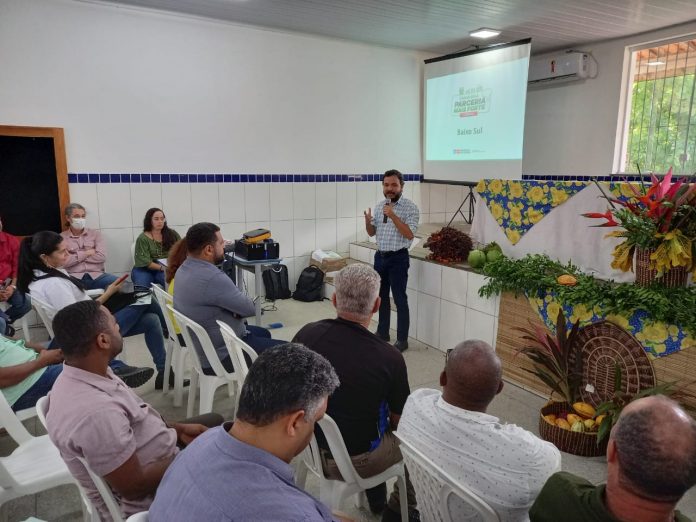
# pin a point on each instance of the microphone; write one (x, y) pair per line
(385, 216)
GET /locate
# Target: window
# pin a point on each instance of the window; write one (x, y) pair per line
(661, 119)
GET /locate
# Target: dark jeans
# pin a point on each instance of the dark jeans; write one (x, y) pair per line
(145, 277)
(258, 338)
(20, 304)
(101, 281)
(393, 269)
(148, 320)
(39, 389)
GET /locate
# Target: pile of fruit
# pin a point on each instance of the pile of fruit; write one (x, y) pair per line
(581, 419)
(448, 245)
(479, 257)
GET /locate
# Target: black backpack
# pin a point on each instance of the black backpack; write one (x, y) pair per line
(275, 281)
(309, 285)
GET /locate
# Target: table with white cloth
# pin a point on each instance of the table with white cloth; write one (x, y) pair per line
(560, 231)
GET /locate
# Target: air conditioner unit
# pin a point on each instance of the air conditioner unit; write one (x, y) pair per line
(559, 68)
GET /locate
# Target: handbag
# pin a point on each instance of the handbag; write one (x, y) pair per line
(120, 300)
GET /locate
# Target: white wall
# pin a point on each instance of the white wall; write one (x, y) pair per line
(571, 128)
(139, 91)
(144, 92)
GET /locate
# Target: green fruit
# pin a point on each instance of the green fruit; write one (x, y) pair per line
(477, 258)
(494, 254)
(492, 246)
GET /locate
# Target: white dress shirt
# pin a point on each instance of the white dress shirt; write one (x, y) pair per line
(503, 464)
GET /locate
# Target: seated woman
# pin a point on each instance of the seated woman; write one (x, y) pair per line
(152, 246)
(18, 304)
(177, 256)
(41, 273)
(86, 249)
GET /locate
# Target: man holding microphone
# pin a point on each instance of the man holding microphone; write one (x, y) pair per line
(395, 223)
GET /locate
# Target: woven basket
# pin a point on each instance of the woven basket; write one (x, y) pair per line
(577, 443)
(645, 276)
(602, 346)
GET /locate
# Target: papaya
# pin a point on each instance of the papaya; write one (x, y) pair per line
(562, 423)
(586, 411)
(567, 280)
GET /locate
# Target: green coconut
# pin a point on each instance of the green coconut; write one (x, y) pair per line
(477, 258)
(494, 254)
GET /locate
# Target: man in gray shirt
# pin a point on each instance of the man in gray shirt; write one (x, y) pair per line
(242, 471)
(205, 294)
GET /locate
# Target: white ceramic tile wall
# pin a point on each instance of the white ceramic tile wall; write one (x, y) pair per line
(429, 320)
(301, 216)
(487, 306)
(454, 284)
(431, 279)
(144, 196)
(452, 324)
(414, 273)
(480, 326)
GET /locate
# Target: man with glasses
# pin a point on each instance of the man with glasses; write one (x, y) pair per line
(502, 463)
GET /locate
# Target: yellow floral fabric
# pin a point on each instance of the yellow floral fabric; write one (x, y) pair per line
(519, 205)
(658, 339)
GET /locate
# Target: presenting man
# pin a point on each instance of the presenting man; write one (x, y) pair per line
(395, 222)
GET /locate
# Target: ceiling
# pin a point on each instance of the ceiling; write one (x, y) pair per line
(442, 26)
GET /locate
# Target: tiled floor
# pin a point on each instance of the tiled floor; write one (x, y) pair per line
(424, 365)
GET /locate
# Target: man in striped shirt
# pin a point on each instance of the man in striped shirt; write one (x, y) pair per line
(395, 222)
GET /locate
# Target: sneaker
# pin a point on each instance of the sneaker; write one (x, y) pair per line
(402, 346)
(132, 376)
(383, 337)
(159, 381)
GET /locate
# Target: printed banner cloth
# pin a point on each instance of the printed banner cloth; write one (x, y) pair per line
(518, 205)
(658, 339)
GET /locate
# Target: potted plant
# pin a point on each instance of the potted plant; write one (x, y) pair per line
(658, 226)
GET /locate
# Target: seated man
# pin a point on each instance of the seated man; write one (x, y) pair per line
(19, 304)
(374, 384)
(205, 294)
(93, 415)
(241, 470)
(503, 464)
(86, 250)
(651, 463)
(27, 372)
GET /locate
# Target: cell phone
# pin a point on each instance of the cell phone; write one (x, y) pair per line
(121, 279)
(7, 282)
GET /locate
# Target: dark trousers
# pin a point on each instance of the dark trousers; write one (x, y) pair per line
(393, 269)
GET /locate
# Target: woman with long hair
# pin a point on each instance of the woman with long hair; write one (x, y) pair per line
(41, 273)
(151, 247)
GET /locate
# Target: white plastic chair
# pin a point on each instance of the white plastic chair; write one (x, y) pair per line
(207, 383)
(138, 517)
(440, 497)
(176, 354)
(104, 490)
(23, 322)
(333, 492)
(34, 466)
(237, 349)
(45, 313)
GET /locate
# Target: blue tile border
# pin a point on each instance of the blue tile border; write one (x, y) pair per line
(607, 177)
(233, 178)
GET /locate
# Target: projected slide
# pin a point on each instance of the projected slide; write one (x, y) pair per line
(476, 115)
(473, 122)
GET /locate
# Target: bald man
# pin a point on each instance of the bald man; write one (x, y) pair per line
(502, 463)
(651, 463)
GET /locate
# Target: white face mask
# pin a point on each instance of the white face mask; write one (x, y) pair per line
(78, 223)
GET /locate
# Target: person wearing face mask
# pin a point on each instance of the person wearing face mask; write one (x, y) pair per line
(395, 222)
(152, 246)
(86, 249)
(19, 304)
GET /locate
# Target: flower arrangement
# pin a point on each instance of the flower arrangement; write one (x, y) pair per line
(660, 218)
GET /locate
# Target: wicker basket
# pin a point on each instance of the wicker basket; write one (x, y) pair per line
(575, 442)
(645, 276)
(603, 345)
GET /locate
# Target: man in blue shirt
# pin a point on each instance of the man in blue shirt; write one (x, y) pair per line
(241, 471)
(395, 222)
